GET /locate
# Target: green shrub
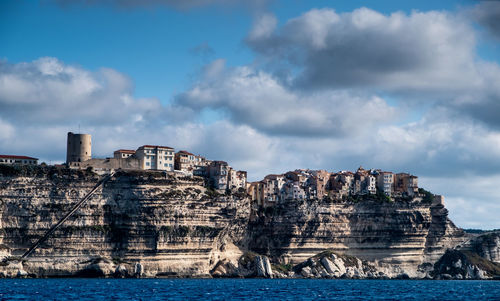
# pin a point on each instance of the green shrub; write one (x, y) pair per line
(428, 196)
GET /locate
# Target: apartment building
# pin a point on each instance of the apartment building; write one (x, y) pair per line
(156, 157)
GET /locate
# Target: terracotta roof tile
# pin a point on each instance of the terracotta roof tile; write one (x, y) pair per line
(17, 157)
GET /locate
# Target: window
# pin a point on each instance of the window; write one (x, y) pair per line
(147, 163)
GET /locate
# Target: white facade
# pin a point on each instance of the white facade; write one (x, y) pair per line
(371, 184)
(18, 160)
(385, 181)
(123, 153)
(412, 185)
(156, 157)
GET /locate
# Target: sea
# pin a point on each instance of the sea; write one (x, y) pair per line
(245, 289)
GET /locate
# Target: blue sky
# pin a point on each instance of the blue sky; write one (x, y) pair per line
(152, 44)
(407, 86)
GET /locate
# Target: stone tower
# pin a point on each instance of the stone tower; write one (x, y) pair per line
(79, 148)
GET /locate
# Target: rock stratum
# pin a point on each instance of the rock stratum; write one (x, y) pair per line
(146, 224)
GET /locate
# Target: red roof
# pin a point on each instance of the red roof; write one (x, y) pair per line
(220, 162)
(271, 176)
(128, 151)
(17, 157)
(157, 146)
(185, 152)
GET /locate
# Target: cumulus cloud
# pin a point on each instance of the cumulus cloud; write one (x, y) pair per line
(47, 91)
(487, 14)
(422, 51)
(6, 130)
(263, 27)
(257, 99)
(44, 99)
(418, 57)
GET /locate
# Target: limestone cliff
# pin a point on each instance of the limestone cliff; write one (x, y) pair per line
(168, 226)
(150, 224)
(401, 236)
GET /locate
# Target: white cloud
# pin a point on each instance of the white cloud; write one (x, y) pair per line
(472, 201)
(263, 27)
(6, 130)
(487, 14)
(257, 99)
(46, 91)
(429, 54)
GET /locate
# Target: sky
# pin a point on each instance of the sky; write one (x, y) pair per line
(269, 86)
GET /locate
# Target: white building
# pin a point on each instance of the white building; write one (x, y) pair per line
(371, 184)
(190, 164)
(18, 160)
(385, 181)
(156, 157)
(123, 153)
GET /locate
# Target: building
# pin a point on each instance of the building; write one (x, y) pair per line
(273, 188)
(79, 148)
(371, 185)
(405, 184)
(294, 191)
(218, 174)
(221, 176)
(155, 157)
(364, 182)
(190, 164)
(319, 182)
(341, 184)
(123, 153)
(413, 185)
(18, 160)
(308, 184)
(438, 200)
(237, 179)
(256, 192)
(385, 182)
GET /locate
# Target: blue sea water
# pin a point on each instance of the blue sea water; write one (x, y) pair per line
(245, 289)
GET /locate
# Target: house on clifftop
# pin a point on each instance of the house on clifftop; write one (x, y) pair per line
(18, 160)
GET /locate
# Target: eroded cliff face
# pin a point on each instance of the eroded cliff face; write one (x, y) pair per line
(146, 224)
(169, 227)
(402, 237)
